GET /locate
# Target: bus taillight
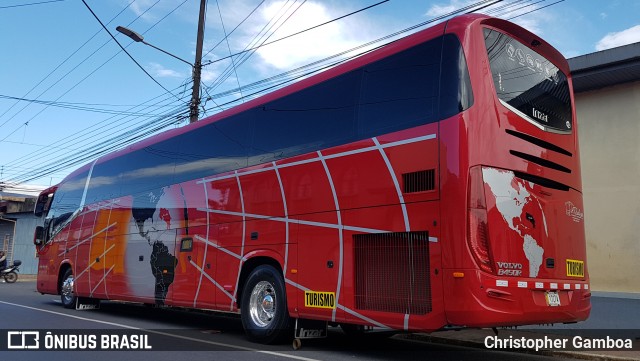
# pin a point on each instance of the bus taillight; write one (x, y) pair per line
(478, 227)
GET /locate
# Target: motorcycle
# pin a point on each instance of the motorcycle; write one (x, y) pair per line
(10, 274)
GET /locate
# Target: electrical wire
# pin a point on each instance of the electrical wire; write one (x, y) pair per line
(172, 117)
(38, 3)
(60, 65)
(125, 50)
(297, 33)
(74, 136)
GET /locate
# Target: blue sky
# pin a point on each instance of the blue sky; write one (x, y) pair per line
(88, 91)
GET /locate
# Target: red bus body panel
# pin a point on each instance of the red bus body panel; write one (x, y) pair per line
(305, 214)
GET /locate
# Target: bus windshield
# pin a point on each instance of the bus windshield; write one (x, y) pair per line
(528, 83)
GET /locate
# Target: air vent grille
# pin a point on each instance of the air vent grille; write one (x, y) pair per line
(392, 272)
(420, 181)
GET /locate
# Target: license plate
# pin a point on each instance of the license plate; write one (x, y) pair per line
(553, 298)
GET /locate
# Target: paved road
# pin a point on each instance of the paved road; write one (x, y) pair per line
(21, 307)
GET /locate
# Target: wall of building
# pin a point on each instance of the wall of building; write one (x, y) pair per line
(23, 248)
(6, 236)
(609, 132)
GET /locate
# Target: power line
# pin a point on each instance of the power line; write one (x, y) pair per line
(73, 106)
(528, 12)
(94, 129)
(38, 3)
(229, 47)
(125, 50)
(58, 67)
(298, 33)
(171, 117)
(259, 37)
(73, 136)
(234, 29)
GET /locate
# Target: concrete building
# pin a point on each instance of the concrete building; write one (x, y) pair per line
(17, 223)
(607, 93)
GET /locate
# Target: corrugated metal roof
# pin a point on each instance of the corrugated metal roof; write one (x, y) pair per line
(606, 68)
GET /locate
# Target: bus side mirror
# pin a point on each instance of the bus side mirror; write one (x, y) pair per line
(38, 236)
(39, 210)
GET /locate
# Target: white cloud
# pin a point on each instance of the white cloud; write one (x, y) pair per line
(624, 37)
(439, 10)
(140, 8)
(314, 44)
(530, 22)
(162, 72)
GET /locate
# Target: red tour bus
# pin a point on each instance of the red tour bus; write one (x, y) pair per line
(431, 183)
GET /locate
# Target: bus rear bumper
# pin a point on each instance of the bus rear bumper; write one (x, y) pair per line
(476, 299)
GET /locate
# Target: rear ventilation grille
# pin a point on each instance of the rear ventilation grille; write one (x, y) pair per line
(392, 272)
(538, 142)
(420, 181)
(540, 161)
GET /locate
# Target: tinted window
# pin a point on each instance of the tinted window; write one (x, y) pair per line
(136, 172)
(149, 168)
(67, 199)
(315, 118)
(398, 92)
(455, 86)
(401, 91)
(528, 82)
(215, 148)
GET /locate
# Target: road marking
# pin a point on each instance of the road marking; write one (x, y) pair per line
(242, 348)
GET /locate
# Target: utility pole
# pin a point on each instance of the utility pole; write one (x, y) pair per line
(197, 67)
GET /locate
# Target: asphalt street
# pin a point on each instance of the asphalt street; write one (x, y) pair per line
(205, 336)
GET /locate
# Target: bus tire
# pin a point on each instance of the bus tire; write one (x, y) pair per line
(264, 313)
(67, 292)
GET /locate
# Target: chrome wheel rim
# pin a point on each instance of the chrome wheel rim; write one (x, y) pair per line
(67, 289)
(262, 304)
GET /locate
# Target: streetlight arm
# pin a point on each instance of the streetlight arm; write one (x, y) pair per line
(140, 39)
(166, 52)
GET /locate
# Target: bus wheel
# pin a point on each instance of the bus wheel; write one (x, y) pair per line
(67, 294)
(264, 313)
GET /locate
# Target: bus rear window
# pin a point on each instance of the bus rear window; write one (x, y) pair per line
(528, 83)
